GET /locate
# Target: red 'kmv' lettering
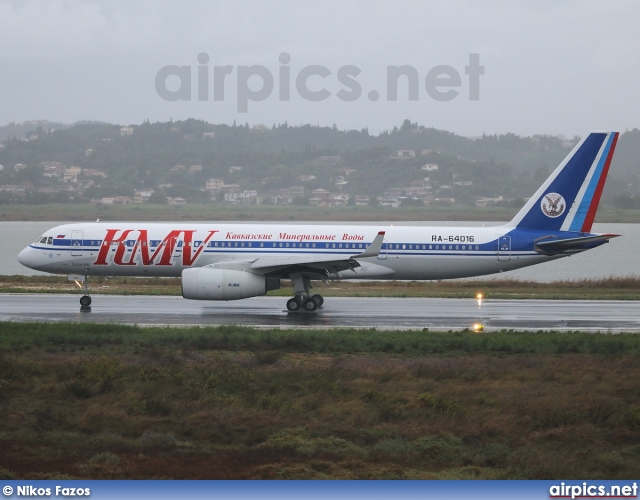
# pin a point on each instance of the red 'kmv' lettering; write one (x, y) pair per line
(164, 250)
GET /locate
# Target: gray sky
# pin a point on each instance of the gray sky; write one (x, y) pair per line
(564, 66)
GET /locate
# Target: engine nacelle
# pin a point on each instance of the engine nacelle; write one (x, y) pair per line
(205, 283)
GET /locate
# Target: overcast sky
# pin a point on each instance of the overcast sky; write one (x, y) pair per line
(555, 67)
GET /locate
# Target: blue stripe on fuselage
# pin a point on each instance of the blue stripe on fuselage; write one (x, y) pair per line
(522, 242)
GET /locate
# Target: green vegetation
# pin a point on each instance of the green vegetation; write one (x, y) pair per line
(597, 289)
(113, 401)
(178, 158)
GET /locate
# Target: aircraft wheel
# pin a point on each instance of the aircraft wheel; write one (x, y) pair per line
(85, 301)
(318, 299)
(294, 304)
(310, 305)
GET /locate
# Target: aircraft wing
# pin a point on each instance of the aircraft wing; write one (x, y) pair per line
(553, 247)
(313, 264)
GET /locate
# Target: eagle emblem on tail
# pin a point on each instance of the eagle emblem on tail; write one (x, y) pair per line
(553, 205)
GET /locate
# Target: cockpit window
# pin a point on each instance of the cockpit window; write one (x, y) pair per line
(50, 240)
(42, 240)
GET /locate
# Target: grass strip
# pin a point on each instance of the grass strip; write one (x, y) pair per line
(102, 401)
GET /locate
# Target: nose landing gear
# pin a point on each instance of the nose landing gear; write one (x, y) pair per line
(85, 300)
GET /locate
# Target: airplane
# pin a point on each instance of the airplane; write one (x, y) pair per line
(237, 261)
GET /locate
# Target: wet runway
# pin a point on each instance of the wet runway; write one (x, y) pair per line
(381, 313)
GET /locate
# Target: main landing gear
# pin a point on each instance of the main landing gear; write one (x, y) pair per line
(303, 300)
(306, 304)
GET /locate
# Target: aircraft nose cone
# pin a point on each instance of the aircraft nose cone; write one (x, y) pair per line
(24, 257)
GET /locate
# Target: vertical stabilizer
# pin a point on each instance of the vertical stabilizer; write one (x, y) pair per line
(569, 198)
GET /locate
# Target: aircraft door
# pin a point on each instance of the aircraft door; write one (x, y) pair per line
(504, 248)
(76, 243)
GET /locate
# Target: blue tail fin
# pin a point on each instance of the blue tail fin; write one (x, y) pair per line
(569, 198)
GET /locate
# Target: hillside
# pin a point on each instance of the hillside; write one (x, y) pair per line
(196, 161)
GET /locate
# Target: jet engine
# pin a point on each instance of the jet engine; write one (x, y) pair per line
(205, 283)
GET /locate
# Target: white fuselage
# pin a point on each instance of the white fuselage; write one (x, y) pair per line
(166, 249)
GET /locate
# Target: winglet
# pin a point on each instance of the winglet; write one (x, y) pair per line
(372, 250)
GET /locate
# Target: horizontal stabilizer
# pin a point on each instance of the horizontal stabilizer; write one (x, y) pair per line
(553, 247)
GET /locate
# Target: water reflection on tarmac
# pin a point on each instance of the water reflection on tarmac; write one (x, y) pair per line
(338, 312)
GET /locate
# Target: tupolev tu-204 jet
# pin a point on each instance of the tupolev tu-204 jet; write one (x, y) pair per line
(237, 261)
